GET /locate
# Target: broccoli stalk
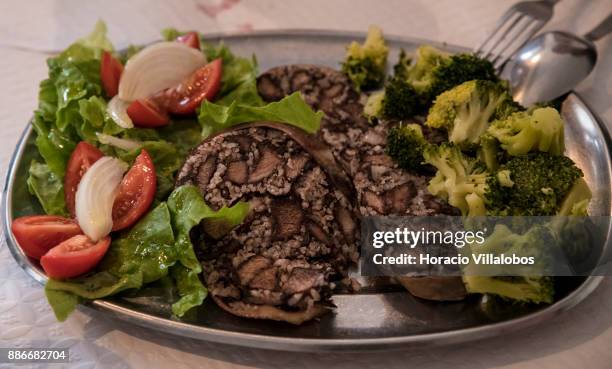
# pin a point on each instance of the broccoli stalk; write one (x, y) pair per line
(405, 145)
(538, 242)
(365, 64)
(466, 110)
(577, 200)
(373, 106)
(538, 130)
(489, 151)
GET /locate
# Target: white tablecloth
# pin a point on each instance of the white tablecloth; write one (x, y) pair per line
(580, 338)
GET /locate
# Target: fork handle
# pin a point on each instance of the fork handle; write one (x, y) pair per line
(600, 30)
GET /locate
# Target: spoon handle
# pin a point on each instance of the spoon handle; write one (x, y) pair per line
(600, 30)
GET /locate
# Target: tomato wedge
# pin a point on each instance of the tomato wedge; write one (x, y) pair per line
(110, 73)
(136, 192)
(73, 257)
(191, 39)
(145, 113)
(83, 157)
(37, 234)
(204, 83)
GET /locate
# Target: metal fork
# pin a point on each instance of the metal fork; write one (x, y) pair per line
(518, 24)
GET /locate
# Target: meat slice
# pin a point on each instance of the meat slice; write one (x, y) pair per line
(381, 187)
(287, 217)
(267, 164)
(237, 172)
(286, 258)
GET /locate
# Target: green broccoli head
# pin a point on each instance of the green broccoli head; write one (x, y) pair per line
(401, 100)
(405, 145)
(460, 180)
(541, 183)
(535, 286)
(538, 130)
(435, 71)
(398, 101)
(466, 110)
(365, 64)
(400, 69)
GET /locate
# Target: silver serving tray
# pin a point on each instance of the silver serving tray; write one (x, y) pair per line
(380, 317)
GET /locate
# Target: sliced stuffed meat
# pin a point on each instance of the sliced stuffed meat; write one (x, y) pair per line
(298, 240)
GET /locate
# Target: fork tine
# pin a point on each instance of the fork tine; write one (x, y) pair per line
(513, 36)
(504, 33)
(526, 34)
(500, 23)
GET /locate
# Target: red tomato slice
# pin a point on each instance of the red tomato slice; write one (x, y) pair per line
(73, 257)
(83, 157)
(204, 83)
(37, 234)
(136, 192)
(110, 73)
(191, 39)
(145, 113)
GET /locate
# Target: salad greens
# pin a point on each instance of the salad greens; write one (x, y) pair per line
(158, 245)
(291, 110)
(72, 108)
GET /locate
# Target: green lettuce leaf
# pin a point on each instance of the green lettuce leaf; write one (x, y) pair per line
(239, 80)
(190, 289)
(48, 188)
(291, 109)
(188, 209)
(69, 110)
(97, 40)
(170, 34)
(53, 145)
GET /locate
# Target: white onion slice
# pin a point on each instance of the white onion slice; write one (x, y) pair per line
(121, 143)
(95, 196)
(157, 67)
(117, 109)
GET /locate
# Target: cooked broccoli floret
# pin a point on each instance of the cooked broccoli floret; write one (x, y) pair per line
(365, 64)
(541, 182)
(576, 202)
(538, 184)
(398, 101)
(400, 70)
(537, 242)
(435, 71)
(373, 106)
(401, 100)
(522, 132)
(466, 110)
(405, 145)
(461, 180)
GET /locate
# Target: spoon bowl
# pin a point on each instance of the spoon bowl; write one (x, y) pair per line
(549, 66)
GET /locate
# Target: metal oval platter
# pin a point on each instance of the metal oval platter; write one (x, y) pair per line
(379, 317)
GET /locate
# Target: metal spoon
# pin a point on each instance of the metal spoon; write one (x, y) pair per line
(553, 63)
